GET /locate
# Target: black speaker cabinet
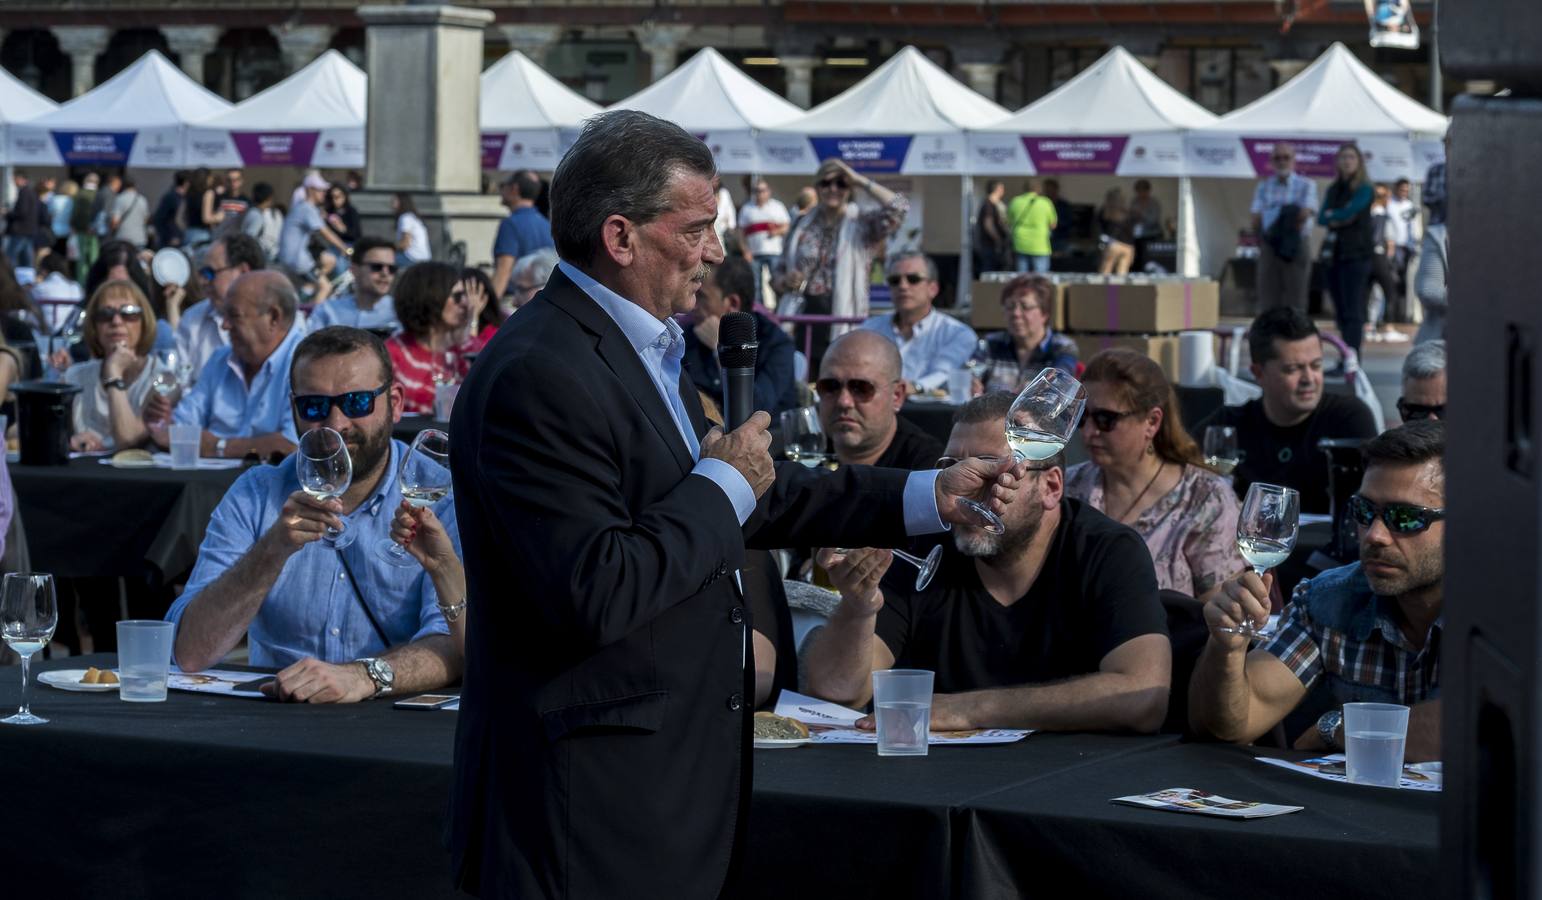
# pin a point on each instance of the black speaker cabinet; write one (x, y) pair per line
(1492, 698)
(1493, 39)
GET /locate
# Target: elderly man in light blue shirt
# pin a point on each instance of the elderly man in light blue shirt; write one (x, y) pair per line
(370, 305)
(241, 400)
(932, 345)
(341, 621)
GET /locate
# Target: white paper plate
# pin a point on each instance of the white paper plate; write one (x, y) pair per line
(69, 680)
(780, 743)
(170, 266)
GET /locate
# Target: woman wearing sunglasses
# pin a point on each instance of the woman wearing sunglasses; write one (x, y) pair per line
(438, 332)
(828, 258)
(115, 382)
(1146, 472)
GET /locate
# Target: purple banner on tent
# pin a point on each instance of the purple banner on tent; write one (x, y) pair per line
(1075, 155)
(864, 154)
(1314, 156)
(492, 149)
(102, 147)
(275, 148)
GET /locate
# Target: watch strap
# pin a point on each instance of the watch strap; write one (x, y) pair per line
(118, 383)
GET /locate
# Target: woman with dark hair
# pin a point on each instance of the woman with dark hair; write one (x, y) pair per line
(411, 234)
(1030, 343)
(195, 210)
(342, 218)
(1146, 472)
(1346, 213)
(432, 347)
(115, 383)
(485, 316)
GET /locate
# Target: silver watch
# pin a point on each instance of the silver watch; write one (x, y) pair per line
(380, 672)
(1328, 727)
(219, 447)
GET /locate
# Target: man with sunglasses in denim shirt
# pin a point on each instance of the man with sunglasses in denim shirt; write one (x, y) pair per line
(1368, 631)
(370, 305)
(340, 622)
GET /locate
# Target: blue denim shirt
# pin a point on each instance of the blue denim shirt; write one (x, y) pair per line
(345, 310)
(222, 402)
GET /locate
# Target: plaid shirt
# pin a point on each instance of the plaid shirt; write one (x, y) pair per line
(1272, 194)
(1007, 374)
(1434, 193)
(1336, 627)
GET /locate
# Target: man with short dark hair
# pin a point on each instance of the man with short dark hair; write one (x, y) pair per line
(731, 288)
(1031, 217)
(201, 331)
(166, 221)
(340, 623)
(1368, 631)
(860, 391)
(23, 223)
(1424, 383)
(369, 305)
(933, 344)
(1278, 433)
(523, 232)
(1054, 625)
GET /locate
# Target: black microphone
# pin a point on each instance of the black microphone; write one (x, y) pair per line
(736, 348)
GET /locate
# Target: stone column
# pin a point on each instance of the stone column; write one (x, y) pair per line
(424, 65)
(984, 77)
(82, 44)
(532, 40)
(192, 43)
(800, 79)
(300, 44)
(662, 44)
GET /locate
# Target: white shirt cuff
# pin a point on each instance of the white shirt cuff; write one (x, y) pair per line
(921, 515)
(739, 492)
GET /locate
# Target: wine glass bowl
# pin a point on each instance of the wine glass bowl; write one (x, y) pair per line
(1266, 534)
(424, 477)
(325, 471)
(28, 616)
(803, 437)
(1221, 452)
(1044, 415)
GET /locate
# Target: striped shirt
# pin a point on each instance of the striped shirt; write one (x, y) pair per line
(420, 370)
(1336, 628)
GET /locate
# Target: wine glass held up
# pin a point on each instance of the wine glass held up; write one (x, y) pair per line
(1039, 423)
(325, 471)
(1266, 534)
(424, 477)
(28, 616)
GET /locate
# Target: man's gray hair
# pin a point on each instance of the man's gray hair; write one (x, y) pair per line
(1425, 361)
(276, 292)
(538, 265)
(931, 265)
(623, 163)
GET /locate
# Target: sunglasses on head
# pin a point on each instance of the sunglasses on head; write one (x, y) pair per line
(1105, 419)
(354, 404)
(1400, 518)
(105, 314)
(840, 183)
(861, 389)
(388, 268)
(1413, 412)
(907, 277)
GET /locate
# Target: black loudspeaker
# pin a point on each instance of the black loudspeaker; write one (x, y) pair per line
(44, 415)
(1492, 730)
(1492, 40)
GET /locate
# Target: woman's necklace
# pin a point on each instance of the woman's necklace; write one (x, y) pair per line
(1142, 495)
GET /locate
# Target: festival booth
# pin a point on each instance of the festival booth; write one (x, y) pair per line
(315, 117)
(714, 100)
(528, 118)
(1335, 100)
(139, 117)
(18, 103)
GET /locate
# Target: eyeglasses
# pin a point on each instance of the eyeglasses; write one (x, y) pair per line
(861, 389)
(907, 277)
(1413, 412)
(105, 314)
(1400, 518)
(207, 273)
(946, 462)
(377, 268)
(838, 183)
(354, 404)
(1105, 419)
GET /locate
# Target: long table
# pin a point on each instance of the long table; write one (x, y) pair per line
(214, 796)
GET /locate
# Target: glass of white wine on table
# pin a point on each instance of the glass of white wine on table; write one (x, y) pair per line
(1040, 421)
(1221, 448)
(28, 616)
(1266, 535)
(425, 480)
(803, 438)
(326, 470)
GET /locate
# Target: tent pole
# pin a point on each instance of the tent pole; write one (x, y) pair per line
(965, 242)
(1188, 237)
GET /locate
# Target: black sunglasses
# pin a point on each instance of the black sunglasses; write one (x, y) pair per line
(840, 183)
(105, 314)
(1400, 518)
(354, 404)
(910, 277)
(388, 268)
(861, 389)
(1105, 419)
(1413, 412)
(207, 273)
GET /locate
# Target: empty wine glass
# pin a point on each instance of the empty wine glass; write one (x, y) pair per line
(1221, 448)
(28, 615)
(979, 363)
(803, 438)
(425, 480)
(167, 379)
(326, 470)
(926, 568)
(1266, 535)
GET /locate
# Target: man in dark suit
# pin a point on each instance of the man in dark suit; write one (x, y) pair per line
(603, 741)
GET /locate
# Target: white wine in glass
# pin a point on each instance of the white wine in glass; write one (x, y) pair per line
(1266, 535)
(1221, 449)
(325, 470)
(803, 438)
(28, 616)
(424, 477)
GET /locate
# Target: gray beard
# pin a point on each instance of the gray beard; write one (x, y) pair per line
(995, 548)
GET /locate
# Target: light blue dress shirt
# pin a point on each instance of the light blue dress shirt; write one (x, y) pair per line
(345, 310)
(938, 345)
(223, 404)
(312, 610)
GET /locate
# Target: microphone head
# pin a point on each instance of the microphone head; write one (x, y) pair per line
(736, 344)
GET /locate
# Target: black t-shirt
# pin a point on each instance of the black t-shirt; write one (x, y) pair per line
(1289, 456)
(912, 448)
(1096, 590)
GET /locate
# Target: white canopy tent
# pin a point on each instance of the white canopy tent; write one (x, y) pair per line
(711, 98)
(315, 117)
(18, 103)
(528, 118)
(139, 117)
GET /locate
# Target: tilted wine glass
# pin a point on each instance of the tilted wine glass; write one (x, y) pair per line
(424, 476)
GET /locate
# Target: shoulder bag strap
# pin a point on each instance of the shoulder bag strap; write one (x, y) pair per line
(368, 613)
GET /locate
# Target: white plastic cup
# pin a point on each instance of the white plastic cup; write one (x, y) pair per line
(185, 440)
(902, 704)
(444, 400)
(960, 386)
(144, 658)
(1374, 737)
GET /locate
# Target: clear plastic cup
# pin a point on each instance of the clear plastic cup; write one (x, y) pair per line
(1374, 736)
(144, 658)
(184, 446)
(960, 386)
(902, 705)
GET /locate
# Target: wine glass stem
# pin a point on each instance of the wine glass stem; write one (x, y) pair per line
(26, 687)
(913, 560)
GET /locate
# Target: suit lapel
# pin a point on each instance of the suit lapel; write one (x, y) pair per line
(693, 408)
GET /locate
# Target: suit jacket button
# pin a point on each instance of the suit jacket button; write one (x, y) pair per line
(736, 615)
(735, 701)
(722, 569)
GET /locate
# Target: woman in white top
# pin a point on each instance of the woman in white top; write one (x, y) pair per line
(411, 234)
(115, 382)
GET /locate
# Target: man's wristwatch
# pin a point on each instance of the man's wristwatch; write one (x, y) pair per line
(453, 611)
(380, 672)
(119, 383)
(1328, 727)
(219, 447)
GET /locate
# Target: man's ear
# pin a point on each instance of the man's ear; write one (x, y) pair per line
(1257, 370)
(619, 236)
(735, 304)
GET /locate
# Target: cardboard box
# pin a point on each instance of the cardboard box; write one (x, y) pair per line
(1163, 348)
(985, 310)
(1144, 307)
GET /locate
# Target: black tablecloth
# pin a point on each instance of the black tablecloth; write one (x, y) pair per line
(86, 519)
(215, 796)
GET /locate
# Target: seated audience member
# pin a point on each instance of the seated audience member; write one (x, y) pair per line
(56, 293)
(1029, 345)
(432, 346)
(932, 344)
(202, 333)
(530, 275)
(241, 399)
(115, 383)
(1369, 631)
(483, 316)
(1055, 624)
(860, 392)
(1278, 433)
(730, 287)
(341, 623)
(1146, 472)
(369, 305)
(1424, 383)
